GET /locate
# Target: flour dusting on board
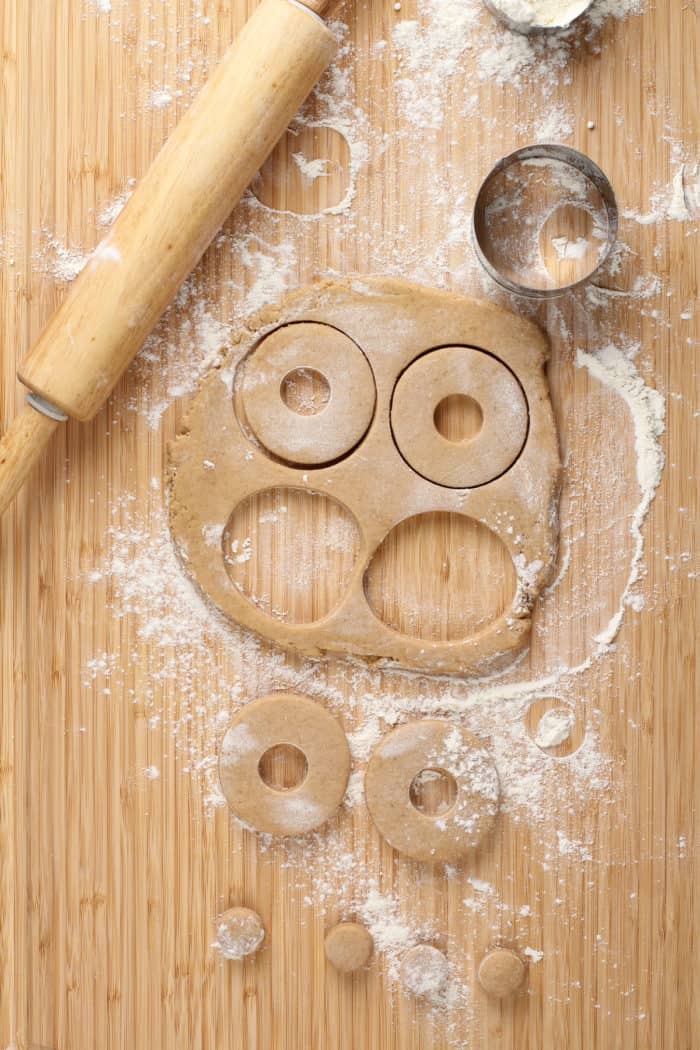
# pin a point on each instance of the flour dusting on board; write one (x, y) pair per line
(65, 263)
(459, 37)
(554, 728)
(200, 670)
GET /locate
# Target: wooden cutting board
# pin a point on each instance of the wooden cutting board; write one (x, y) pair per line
(115, 854)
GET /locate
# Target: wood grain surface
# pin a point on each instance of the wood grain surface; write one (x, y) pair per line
(113, 862)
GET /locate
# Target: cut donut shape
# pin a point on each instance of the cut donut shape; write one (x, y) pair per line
(433, 745)
(327, 430)
(450, 372)
(298, 722)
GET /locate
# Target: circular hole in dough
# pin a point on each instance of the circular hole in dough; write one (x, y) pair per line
(307, 173)
(433, 792)
(291, 552)
(283, 767)
(440, 576)
(306, 391)
(458, 418)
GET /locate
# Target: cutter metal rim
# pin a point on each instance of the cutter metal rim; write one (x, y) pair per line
(587, 167)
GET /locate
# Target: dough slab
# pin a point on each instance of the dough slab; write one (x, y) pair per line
(390, 463)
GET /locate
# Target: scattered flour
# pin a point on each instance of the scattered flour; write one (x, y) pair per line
(111, 212)
(160, 99)
(555, 125)
(451, 36)
(66, 263)
(188, 343)
(311, 169)
(678, 202)
(391, 933)
(567, 249)
(554, 728)
(685, 197)
(269, 270)
(648, 411)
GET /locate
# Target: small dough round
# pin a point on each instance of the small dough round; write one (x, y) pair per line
(501, 973)
(443, 373)
(436, 745)
(284, 718)
(349, 946)
(327, 435)
(425, 971)
(239, 933)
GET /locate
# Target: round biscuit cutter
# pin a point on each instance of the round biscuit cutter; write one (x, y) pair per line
(545, 221)
(522, 16)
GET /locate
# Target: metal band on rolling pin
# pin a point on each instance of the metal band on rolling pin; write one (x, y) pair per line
(309, 10)
(46, 408)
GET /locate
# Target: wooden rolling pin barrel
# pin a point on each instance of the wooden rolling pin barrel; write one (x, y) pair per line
(172, 217)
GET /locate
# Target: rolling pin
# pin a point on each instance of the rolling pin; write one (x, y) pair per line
(171, 219)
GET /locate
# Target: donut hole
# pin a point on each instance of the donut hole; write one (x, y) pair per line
(283, 767)
(458, 418)
(433, 792)
(305, 391)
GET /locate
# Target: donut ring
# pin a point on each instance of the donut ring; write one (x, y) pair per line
(332, 432)
(437, 745)
(284, 718)
(475, 374)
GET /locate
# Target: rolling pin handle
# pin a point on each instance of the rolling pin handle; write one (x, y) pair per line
(21, 447)
(183, 200)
